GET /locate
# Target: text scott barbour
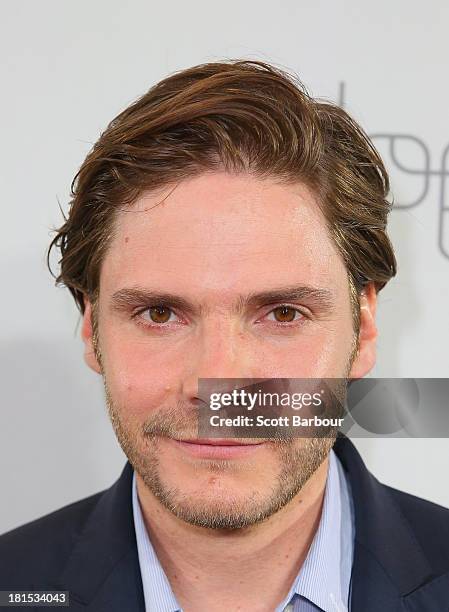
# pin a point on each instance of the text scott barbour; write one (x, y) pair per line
(283, 421)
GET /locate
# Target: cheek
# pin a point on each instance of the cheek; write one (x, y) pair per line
(140, 378)
(317, 355)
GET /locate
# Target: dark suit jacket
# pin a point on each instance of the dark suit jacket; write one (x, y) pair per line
(401, 553)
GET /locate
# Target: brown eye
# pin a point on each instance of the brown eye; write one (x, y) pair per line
(159, 314)
(284, 314)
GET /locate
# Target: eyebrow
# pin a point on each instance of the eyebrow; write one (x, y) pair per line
(133, 297)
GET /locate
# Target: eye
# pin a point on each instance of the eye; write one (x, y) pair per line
(158, 314)
(285, 314)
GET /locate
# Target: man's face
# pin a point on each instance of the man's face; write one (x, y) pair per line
(184, 295)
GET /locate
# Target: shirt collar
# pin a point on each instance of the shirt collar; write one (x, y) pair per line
(157, 592)
(324, 578)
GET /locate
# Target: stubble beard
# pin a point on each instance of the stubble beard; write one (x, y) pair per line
(296, 464)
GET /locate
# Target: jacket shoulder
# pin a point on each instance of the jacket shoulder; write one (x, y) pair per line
(34, 553)
(429, 523)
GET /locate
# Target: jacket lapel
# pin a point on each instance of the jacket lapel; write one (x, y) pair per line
(103, 573)
(390, 568)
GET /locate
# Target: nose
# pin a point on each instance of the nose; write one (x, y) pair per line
(222, 352)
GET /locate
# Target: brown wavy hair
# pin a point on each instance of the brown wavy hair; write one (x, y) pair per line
(237, 116)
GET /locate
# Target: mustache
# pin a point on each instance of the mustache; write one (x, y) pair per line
(181, 422)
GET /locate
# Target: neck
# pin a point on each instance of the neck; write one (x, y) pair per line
(260, 562)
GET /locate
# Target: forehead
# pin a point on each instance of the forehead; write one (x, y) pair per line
(221, 231)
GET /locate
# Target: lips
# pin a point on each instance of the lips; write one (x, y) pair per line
(218, 442)
(216, 448)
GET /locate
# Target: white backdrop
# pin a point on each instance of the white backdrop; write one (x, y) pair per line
(68, 67)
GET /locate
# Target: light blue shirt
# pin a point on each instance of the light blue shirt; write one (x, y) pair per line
(323, 582)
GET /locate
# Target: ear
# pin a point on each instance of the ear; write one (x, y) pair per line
(366, 356)
(86, 333)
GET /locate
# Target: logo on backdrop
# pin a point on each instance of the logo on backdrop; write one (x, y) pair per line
(427, 172)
